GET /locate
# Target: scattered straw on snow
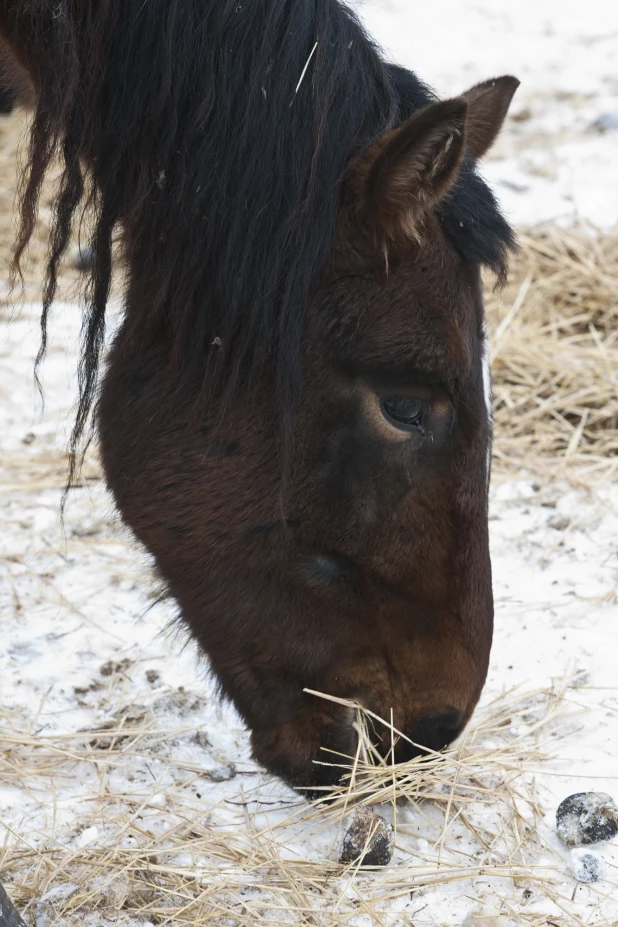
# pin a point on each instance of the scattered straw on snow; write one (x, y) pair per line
(163, 855)
(554, 354)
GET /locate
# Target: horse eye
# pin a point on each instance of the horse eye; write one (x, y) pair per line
(403, 412)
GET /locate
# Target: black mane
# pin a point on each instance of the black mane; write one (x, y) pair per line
(215, 134)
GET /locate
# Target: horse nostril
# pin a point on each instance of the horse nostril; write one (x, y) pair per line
(434, 732)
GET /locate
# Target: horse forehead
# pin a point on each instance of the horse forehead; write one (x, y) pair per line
(432, 319)
(437, 284)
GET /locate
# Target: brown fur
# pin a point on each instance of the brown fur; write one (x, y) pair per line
(489, 103)
(396, 183)
(377, 586)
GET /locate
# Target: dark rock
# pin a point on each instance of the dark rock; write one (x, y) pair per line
(587, 817)
(586, 867)
(368, 840)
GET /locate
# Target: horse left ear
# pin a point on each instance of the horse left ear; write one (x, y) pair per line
(488, 104)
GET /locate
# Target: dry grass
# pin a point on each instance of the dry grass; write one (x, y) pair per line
(244, 860)
(554, 353)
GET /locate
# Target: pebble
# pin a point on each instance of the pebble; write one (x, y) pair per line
(587, 817)
(368, 840)
(586, 866)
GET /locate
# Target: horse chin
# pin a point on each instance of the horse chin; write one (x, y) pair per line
(311, 753)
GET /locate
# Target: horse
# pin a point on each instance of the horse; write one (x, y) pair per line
(294, 415)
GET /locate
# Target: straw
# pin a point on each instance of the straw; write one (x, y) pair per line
(554, 351)
(235, 858)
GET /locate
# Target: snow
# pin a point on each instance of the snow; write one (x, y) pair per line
(552, 162)
(83, 635)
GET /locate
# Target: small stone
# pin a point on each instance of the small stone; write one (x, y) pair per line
(153, 676)
(221, 773)
(586, 866)
(559, 522)
(368, 840)
(587, 817)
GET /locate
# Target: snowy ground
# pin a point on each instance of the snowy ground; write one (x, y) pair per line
(80, 641)
(557, 158)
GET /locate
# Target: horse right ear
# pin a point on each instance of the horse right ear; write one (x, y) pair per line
(396, 183)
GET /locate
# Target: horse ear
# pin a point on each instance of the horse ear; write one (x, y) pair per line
(395, 184)
(488, 104)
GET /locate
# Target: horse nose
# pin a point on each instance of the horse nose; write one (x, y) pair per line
(433, 732)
